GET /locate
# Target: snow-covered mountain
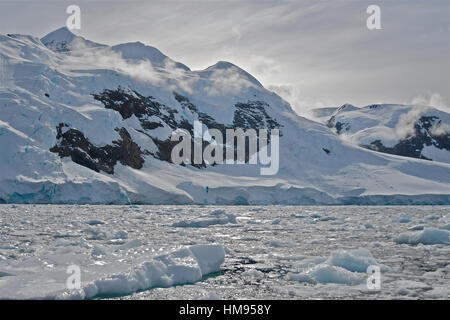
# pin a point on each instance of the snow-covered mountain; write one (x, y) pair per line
(412, 131)
(63, 40)
(82, 122)
(323, 114)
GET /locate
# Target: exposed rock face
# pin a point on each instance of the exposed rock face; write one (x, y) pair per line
(203, 117)
(72, 143)
(252, 115)
(413, 145)
(428, 130)
(61, 46)
(332, 123)
(149, 111)
(249, 115)
(152, 115)
(338, 125)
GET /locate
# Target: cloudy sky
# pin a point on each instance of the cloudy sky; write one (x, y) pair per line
(314, 53)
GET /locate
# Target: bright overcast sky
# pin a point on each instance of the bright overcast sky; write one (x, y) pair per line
(314, 53)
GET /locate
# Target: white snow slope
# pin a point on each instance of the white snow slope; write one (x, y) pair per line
(392, 123)
(41, 88)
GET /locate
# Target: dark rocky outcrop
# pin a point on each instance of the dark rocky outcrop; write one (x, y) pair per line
(203, 117)
(413, 145)
(72, 143)
(340, 126)
(249, 115)
(129, 102)
(253, 115)
(152, 114)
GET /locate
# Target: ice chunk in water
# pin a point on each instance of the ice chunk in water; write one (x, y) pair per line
(427, 236)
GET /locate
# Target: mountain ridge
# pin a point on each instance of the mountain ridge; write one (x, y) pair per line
(65, 117)
(414, 131)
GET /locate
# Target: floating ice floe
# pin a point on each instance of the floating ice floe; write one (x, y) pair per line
(342, 267)
(403, 218)
(427, 236)
(131, 244)
(94, 222)
(417, 227)
(96, 233)
(276, 221)
(253, 273)
(122, 234)
(210, 296)
(187, 265)
(324, 273)
(98, 251)
(281, 243)
(353, 260)
(216, 217)
(327, 218)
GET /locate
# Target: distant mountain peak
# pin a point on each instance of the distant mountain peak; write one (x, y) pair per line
(138, 51)
(225, 65)
(60, 40)
(222, 65)
(60, 34)
(346, 107)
